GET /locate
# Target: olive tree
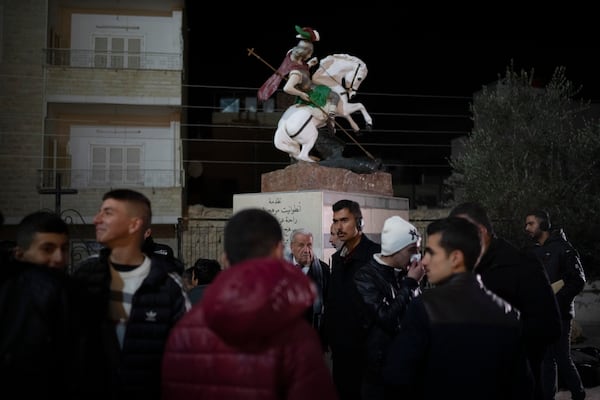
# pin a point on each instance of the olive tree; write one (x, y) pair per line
(533, 147)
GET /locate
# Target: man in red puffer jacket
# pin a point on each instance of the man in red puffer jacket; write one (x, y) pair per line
(247, 338)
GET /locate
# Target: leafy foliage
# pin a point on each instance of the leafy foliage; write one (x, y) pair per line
(533, 148)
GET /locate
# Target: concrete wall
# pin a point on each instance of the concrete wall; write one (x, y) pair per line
(158, 34)
(73, 85)
(21, 104)
(311, 210)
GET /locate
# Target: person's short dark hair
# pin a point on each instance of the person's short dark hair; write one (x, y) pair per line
(188, 274)
(136, 198)
(458, 233)
(544, 218)
(354, 209)
(251, 233)
(205, 270)
(39, 222)
(475, 212)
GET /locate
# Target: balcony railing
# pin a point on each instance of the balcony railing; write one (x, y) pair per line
(113, 59)
(88, 178)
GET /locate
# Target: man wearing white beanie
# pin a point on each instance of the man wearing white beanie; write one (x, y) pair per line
(387, 284)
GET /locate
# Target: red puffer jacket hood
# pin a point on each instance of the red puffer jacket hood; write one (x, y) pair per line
(251, 300)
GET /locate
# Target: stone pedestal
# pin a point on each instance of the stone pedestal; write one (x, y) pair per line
(301, 196)
(312, 176)
(311, 209)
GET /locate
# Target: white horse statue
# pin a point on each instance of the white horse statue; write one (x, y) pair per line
(297, 130)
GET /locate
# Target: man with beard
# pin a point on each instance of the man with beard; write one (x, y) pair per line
(563, 266)
(520, 279)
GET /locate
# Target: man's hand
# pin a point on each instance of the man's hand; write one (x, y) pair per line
(416, 270)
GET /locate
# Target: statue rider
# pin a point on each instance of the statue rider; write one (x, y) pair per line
(296, 66)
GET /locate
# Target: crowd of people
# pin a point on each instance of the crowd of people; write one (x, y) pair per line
(474, 317)
(466, 314)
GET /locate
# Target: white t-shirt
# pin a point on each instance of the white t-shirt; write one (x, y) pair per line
(123, 285)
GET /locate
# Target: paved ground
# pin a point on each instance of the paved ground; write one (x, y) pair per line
(591, 335)
(590, 394)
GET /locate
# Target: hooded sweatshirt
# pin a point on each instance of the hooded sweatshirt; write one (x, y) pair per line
(248, 339)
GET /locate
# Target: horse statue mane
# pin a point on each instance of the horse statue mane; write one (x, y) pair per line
(327, 73)
(326, 62)
(298, 128)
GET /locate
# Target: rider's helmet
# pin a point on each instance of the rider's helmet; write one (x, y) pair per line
(307, 33)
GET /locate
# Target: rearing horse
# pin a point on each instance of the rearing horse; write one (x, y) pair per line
(297, 129)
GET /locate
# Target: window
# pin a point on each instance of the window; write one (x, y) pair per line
(228, 105)
(116, 165)
(117, 52)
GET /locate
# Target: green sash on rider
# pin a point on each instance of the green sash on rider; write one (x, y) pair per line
(318, 96)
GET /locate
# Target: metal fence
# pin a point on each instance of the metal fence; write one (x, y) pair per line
(196, 238)
(200, 238)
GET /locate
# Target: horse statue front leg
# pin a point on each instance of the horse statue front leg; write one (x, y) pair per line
(350, 108)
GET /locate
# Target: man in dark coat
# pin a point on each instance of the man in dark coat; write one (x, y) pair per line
(126, 304)
(458, 340)
(34, 311)
(345, 320)
(563, 266)
(387, 284)
(520, 279)
(303, 257)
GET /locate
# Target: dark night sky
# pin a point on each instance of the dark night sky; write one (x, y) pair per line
(398, 63)
(402, 60)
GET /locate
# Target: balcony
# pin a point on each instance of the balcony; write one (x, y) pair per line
(52, 178)
(89, 77)
(113, 60)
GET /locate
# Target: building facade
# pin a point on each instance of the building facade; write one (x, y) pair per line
(91, 100)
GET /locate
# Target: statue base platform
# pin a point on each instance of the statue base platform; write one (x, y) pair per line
(304, 175)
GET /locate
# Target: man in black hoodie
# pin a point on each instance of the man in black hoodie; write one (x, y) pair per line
(457, 339)
(520, 279)
(563, 266)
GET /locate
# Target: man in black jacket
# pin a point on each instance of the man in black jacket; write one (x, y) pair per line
(386, 284)
(458, 340)
(34, 311)
(563, 266)
(345, 317)
(303, 257)
(520, 279)
(126, 304)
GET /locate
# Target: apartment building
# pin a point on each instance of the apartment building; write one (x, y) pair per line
(90, 100)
